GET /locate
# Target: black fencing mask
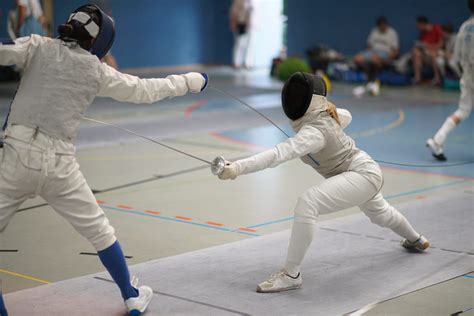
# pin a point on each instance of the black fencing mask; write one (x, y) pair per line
(298, 91)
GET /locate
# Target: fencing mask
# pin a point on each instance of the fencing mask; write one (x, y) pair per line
(91, 28)
(298, 92)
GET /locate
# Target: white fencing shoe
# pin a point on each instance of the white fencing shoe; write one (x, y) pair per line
(373, 88)
(359, 91)
(279, 282)
(137, 305)
(436, 149)
(420, 244)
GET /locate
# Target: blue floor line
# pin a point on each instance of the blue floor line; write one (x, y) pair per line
(272, 222)
(387, 198)
(166, 218)
(434, 187)
(469, 276)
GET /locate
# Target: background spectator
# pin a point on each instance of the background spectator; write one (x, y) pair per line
(240, 24)
(31, 19)
(446, 61)
(382, 48)
(426, 49)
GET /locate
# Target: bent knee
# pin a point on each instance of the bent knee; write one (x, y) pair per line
(100, 235)
(305, 212)
(462, 114)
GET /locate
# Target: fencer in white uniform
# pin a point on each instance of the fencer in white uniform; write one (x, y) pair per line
(352, 177)
(61, 78)
(464, 55)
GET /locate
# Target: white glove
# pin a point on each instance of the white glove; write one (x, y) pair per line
(229, 172)
(196, 81)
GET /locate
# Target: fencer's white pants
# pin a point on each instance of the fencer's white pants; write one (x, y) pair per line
(241, 51)
(36, 164)
(467, 95)
(358, 187)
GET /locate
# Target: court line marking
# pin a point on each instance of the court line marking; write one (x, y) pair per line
(24, 276)
(389, 197)
(182, 219)
(220, 136)
(186, 299)
(194, 106)
(368, 307)
(382, 129)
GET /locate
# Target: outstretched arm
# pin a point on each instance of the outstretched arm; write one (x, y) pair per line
(128, 88)
(18, 52)
(308, 140)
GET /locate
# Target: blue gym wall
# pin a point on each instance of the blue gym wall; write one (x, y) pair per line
(345, 24)
(5, 6)
(154, 33)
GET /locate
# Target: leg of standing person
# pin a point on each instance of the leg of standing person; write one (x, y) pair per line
(18, 180)
(67, 192)
(417, 60)
(466, 101)
(434, 64)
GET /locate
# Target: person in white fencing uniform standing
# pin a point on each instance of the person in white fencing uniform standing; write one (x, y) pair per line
(353, 178)
(240, 25)
(61, 78)
(463, 54)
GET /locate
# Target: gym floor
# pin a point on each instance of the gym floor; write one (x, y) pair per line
(164, 204)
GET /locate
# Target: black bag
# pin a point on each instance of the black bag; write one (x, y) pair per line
(241, 28)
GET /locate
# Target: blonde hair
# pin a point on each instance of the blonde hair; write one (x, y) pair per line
(332, 110)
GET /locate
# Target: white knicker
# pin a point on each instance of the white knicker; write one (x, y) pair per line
(359, 187)
(466, 98)
(36, 164)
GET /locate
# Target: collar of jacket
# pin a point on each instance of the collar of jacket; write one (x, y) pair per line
(318, 104)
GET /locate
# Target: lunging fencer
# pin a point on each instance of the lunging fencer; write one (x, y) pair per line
(352, 177)
(61, 78)
(464, 55)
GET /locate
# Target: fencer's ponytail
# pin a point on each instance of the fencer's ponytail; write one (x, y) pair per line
(332, 110)
(75, 31)
(65, 30)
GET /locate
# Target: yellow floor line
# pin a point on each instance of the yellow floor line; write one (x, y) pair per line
(24, 276)
(374, 131)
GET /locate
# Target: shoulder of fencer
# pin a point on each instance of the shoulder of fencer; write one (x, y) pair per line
(467, 24)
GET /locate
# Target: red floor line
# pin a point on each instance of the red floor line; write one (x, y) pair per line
(184, 218)
(215, 224)
(196, 105)
(426, 173)
(152, 212)
(124, 206)
(236, 141)
(248, 230)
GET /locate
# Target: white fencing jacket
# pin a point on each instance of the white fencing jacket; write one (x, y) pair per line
(60, 80)
(319, 135)
(464, 48)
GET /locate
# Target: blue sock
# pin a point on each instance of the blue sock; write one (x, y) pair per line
(3, 309)
(112, 258)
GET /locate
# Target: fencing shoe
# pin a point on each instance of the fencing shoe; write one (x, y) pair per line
(137, 305)
(436, 149)
(420, 244)
(359, 91)
(279, 282)
(373, 88)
